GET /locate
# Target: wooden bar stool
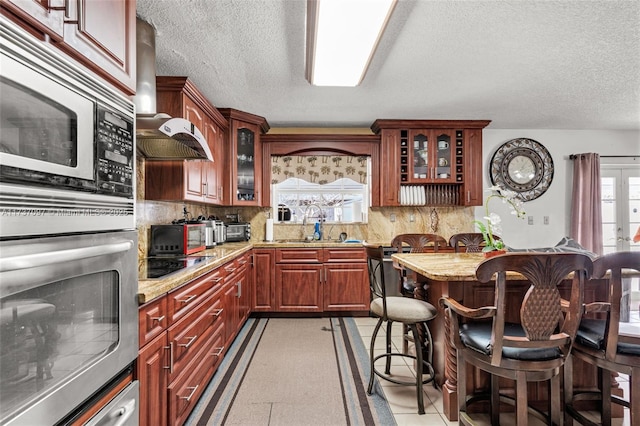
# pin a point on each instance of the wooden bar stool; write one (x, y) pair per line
(390, 309)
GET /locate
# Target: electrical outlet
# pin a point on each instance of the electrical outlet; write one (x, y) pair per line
(412, 218)
(530, 220)
(392, 218)
(546, 220)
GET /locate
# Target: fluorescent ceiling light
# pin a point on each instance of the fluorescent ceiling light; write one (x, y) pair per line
(342, 36)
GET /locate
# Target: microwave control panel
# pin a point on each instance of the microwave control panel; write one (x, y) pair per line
(115, 153)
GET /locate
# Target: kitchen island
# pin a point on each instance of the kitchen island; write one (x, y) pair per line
(453, 275)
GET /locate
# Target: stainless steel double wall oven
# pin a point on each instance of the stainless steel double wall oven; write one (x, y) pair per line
(68, 245)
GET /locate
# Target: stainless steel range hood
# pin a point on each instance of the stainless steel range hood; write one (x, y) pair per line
(159, 136)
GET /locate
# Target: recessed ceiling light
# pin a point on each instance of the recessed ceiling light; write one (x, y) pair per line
(342, 36)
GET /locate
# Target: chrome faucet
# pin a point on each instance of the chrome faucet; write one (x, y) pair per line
(320, 215)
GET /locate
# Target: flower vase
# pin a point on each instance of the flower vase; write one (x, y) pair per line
(492, 253)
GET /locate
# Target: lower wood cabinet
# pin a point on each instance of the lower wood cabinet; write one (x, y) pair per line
(263, 295)
(320, 280)
(182, 340)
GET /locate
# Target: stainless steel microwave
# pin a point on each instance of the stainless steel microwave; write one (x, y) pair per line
(67, 148)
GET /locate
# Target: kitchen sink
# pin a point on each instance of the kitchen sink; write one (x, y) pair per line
(294, 240)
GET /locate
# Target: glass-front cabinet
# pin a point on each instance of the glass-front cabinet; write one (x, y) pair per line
(243, 138)
(428, 156)
(245, 165)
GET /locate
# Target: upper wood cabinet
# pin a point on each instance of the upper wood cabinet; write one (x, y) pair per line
(243, 182)
(99, 34)
(189, 180)
(441, 160)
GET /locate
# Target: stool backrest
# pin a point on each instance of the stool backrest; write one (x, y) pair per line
(543, 315)
(468, 242)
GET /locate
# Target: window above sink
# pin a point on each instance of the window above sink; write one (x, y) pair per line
(333, 188)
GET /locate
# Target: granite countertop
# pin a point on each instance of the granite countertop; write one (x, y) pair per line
(149, 289)
(445, 266)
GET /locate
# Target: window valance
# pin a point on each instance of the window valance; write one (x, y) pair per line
(320, 169)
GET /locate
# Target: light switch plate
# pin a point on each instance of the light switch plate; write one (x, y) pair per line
(530, 220)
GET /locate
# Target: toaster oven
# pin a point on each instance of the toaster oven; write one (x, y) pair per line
(238, 232)
(178, 239)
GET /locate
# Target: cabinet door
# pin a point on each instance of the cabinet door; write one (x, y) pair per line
(212, 171)
(346, 287)
(431, 156)
(152, 372)
(263, 279)
(395, 167)
(298, 287)
(193, 113)
(103, 32)
(473, 194)
(45, 15)
(194, 180)
(244, 290)
(230, 302)
(247, 164)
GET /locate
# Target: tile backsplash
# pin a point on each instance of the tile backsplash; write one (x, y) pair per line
(384, 222)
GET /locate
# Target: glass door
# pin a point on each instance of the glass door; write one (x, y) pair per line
(245, 183)
(620, 207)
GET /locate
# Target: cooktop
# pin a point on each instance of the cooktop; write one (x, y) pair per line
(161, 266)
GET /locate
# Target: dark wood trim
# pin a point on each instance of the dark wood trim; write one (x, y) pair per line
(234, 114)
(428, 124)
(183, 84)
(321, 144)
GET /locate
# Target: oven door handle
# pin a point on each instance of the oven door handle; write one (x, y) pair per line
(27, 261)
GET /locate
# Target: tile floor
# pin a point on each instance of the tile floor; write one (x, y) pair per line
(402, 399)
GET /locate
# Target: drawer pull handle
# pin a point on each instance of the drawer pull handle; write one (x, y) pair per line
(187, 299)
(191, 340)
(193, 391)
(217, 313)
(170, 367)
(229, 269)
(158, 319)
(242, 262)
(216, 280)
(220, 350)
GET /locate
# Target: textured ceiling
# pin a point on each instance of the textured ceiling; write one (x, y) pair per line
(521, 64)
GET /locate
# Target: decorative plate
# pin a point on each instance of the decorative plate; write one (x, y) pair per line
(524, 166)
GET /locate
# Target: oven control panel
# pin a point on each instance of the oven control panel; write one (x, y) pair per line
(115, 153)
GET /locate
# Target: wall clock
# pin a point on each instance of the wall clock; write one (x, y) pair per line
(524, 166)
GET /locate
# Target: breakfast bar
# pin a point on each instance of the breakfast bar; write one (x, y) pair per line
(453, 275)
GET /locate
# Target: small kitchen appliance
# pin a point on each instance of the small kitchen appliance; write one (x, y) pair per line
(240, 231)
(175, 239)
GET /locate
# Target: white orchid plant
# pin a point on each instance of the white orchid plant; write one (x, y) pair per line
(491, 225)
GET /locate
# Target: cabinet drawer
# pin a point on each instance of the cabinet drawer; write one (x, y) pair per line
(152, 320)
(185, 391)
(298, 255)
(344, 255)
(188, 335)
(182, 300)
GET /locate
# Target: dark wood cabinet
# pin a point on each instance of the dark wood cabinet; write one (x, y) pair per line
(199, 181)
(151, 371)
(346, 280)
(321, 280)
(263, 280)
(243, 184)
(236, 295)
(182, 341)
(98, 34)
(439, 160)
